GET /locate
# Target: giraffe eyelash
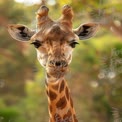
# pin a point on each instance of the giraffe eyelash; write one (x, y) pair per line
(73, 44)
(36, 44)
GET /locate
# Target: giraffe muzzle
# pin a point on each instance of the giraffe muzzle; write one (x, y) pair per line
(58, 64)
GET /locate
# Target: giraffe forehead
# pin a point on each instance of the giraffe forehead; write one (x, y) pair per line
(55, 32)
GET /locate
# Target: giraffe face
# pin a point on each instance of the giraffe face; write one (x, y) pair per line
(54, 40)
(54, 47)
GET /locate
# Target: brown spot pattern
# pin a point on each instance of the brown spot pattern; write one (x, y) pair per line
(71, 102)
(67, 93)
(57, 118)
(55, 87)
(52, 95)
(47, 92)
(68, 117)
(61, 103)
(61, 86)
(75, 120)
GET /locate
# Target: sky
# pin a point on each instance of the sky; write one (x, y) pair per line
(31, 2)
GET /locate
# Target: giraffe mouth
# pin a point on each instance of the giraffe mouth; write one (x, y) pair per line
(56, 72)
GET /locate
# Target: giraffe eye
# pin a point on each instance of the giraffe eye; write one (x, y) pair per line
(36, 43)
(73, 44)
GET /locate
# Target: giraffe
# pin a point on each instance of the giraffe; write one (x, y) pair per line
(54, 42)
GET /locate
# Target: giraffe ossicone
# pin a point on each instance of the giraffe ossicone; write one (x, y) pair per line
(55, 41)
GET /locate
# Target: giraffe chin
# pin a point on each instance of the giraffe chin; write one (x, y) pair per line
(56, 72)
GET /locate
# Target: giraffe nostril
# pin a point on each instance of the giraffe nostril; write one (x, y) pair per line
(61, 63)
(58, 63)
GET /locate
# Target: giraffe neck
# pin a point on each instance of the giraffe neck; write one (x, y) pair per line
(60, 103)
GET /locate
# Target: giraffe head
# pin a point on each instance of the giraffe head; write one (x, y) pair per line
(54, 40)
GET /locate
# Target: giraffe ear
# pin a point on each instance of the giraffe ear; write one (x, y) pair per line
(86, 31)
(20, 32)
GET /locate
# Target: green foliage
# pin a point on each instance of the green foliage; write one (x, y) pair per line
(8, 114)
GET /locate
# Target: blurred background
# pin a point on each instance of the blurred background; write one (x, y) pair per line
(95, 76)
